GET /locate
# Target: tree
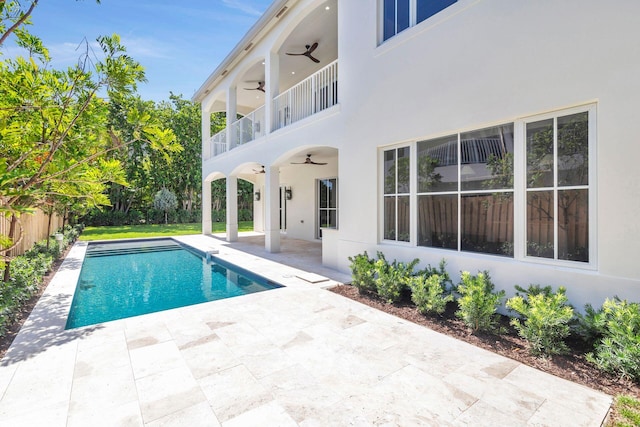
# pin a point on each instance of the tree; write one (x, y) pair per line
(54, 132)
(165, 200)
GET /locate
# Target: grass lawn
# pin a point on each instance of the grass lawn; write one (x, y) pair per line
(154, 230)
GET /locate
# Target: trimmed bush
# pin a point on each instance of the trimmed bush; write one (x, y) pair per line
(478, 302)
(430, 291)
(392, 278)
(545, 318)
(616, 327)
(363, 272)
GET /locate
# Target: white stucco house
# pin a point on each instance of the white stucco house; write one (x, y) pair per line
(500, 135)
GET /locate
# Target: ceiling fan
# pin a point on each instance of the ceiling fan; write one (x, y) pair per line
(259, 171)
(308, 161)
(260, 87)
(309, 51)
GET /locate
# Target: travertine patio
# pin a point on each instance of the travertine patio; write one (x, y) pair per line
(298, 355)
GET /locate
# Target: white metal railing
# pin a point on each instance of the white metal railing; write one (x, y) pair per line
(249, 127)
(219, 143)
(314, 94)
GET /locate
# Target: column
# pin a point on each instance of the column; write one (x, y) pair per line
(206, 206)
(232, 209)
(272, 207)
(232, 112)
(272, 85)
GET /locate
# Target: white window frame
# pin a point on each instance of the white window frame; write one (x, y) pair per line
(519, 191)
(521, 201)
(413, 16)
(413, 223)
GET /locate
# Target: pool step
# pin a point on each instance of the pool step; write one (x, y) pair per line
(130, 251)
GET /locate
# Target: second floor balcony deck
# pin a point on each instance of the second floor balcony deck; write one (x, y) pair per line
(310, 96)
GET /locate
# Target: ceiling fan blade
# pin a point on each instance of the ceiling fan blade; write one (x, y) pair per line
(299, 163)
(316, 163)
(313, 59)
(312, 48)
(294, 54)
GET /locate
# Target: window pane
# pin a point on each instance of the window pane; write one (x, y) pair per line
(573, 225)
(403, 15)
(322, 188)
(403, 219)
(427, 8)
(390, 172)
(333, 219)
(540, 224)
(403, 170)
(333, 193)
(389, 18)
(487, 159)
(390, 218)
(324, 219)
(438, 221)
(573, 149)
(487, 223)
(540, 154)
(438, 164)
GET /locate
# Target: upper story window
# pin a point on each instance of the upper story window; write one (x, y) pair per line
(398, 15)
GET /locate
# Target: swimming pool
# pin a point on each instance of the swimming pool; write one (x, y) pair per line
(130, 278)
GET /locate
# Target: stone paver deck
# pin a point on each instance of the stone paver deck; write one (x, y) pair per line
(294, 356)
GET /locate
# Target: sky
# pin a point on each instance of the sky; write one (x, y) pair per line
(180, 43)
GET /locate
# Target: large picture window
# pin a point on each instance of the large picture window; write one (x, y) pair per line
(465, 191)
(398, 15)
(396, 194)
(558, 188)
(519, 190)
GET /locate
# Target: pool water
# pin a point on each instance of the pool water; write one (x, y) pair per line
(126, 279)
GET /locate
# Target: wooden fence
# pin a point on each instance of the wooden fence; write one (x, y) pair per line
(35, 229)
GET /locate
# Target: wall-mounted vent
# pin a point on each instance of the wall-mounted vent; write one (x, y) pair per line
(224, 72)
(249, 46)
(282, 11)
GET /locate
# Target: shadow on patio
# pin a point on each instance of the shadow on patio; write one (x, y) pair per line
(301, 254)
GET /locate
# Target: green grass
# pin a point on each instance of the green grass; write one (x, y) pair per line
(154, 230)
(626, 412)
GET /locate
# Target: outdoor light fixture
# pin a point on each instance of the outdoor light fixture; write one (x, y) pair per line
(256, 196)
(287, 193)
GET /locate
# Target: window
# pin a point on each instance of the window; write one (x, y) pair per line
(396, 194)
(327, 204)
(398, 15)
(517, 190)
(557, 153)
(465, 191)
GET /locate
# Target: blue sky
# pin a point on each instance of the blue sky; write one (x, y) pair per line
(178, 42)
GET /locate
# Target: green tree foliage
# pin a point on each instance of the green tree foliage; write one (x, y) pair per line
(363, 272)
(392, 278)
(430, 289)
(165, 201)
(54, 132)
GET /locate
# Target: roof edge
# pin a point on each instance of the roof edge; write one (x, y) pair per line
(273, 11)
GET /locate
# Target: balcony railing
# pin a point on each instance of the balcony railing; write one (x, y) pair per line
(312, 95)
(219, 143)
(249, 127)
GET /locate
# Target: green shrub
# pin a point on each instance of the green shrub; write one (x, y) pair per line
(429, 293)
(616, 327)
(478, 302)
(392, 278)
(363, 272)
(545, 318)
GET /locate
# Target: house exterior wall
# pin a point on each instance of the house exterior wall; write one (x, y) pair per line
(476, 64)
(481, 63)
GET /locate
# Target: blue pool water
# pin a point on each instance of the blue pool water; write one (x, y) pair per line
(126, 279)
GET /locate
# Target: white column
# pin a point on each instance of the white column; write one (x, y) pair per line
(206, 206)
(232, 209)
(272, 208)
(206, 134)
(232, 112)
(272, 88)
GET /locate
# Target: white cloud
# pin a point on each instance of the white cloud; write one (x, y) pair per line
(242, 6)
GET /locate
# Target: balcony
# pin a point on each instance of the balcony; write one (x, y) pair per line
(312, 95)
